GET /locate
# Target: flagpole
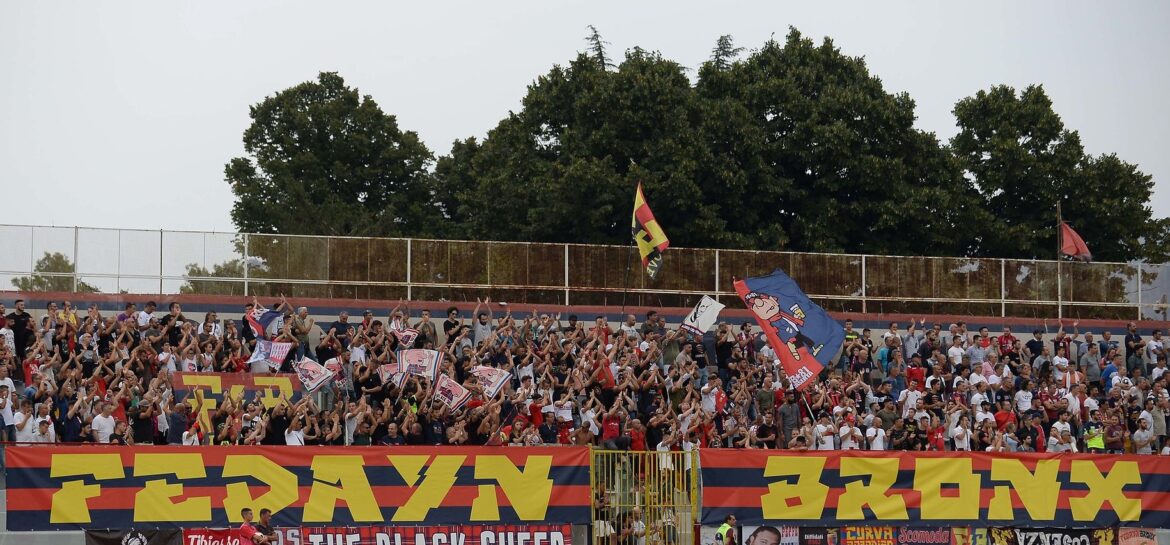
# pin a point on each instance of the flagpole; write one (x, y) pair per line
(1059, 279)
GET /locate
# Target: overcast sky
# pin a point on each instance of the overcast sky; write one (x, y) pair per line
(122, 114)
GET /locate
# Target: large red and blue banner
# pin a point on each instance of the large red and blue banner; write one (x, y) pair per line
(935, 489)
(52, 488)
(803, 335)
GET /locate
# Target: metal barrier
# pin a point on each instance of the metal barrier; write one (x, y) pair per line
(660, 490)
(139, 261)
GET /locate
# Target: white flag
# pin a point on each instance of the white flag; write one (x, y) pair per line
(312, 374)
(270, 353)
(451, 393)
(699, 320)
(493, 379)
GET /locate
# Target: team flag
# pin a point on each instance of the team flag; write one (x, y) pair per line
(420, 362)
(703, 316)
(493, 379)
(406, 335)
(451, 393)
(312, 374)
(803, 335)
(1072, 245)
(260, 318)
(390, 373)
(270, 353)
(648, 235)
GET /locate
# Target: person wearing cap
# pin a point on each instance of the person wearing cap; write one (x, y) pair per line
(825, 432)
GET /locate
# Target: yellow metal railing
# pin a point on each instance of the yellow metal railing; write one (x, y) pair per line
(652, 492)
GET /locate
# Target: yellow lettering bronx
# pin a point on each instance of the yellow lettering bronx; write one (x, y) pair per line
(882, 472)
(1037, 491)
(802, 499)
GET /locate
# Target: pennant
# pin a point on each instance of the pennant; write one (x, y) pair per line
(260, 318)
(492, 378)
(703, 316)
(803, 335)
(648, 235)
(420, 362)
(1072, 245)
(312, 374)
(451, 393)
(270, 353)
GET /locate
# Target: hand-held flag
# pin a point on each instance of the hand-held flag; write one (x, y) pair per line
(260, 318)
(312, 374)
(648, 235)
(803, 335)
(451, 393)
(699, 320)
(1072, 245)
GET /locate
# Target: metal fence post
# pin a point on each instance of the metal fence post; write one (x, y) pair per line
(409, 263)
(1139, 290)
(718, 273)
(1003, 288)
(864, 308)
(76, 262)
(160, 261)
(566, 275)
(247, 265)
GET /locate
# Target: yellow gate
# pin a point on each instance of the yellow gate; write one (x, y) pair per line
(651, 492)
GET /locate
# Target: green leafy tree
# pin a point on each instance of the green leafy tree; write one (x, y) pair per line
(229, 269)
(55, 262)
(324, 160)
(1023, 161)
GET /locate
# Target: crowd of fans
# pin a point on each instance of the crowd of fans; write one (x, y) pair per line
(86, 377)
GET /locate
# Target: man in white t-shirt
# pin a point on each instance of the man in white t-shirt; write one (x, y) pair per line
(146, 315)
(103, 424)
(1059, 365)
(850, 435)
(1024, 398)
(876, 435)
(824, 433)
(1155, 347)
(962, 434)
(24, 422)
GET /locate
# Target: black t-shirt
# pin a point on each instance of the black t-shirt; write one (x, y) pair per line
(277, 425)
(19, 323)
(723, 352)
(1035, 346)
(395, 440)
(450, 330)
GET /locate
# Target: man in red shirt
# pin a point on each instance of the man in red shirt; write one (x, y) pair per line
(247, 531)
(1004, 415)
(1007, 342)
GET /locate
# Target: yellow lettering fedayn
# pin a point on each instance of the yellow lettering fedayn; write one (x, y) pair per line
(341, 478)
(71, 503)
(282, 485)
(528, 491)
(154, 502)
(438, 480)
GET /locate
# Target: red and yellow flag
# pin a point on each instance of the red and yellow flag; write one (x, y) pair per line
(648, 235)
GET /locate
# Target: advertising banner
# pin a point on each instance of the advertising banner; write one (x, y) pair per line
(225, 536)
(458, 534)
(925, 489)
(145, 536)
(78, 487)
(1052, 536)
(871, 535)
(266, 389)
(1137, 536)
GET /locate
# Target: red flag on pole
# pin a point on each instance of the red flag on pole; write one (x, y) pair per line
(1072, 245)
